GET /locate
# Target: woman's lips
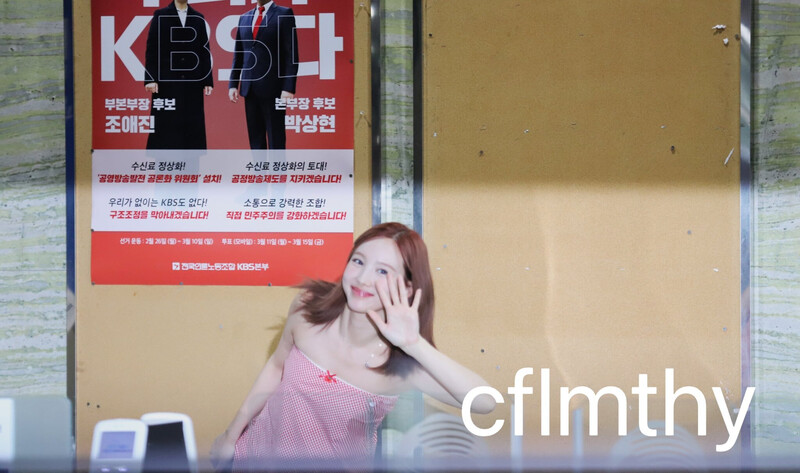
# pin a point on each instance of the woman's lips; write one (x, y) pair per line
(358, 292)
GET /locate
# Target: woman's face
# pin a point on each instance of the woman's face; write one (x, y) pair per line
(369, 266)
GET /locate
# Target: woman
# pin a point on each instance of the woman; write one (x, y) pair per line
(178, 75)
(347, 350)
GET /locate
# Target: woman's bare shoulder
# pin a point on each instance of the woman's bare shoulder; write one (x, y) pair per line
(296, 321)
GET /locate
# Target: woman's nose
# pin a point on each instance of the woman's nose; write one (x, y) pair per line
(364, 278)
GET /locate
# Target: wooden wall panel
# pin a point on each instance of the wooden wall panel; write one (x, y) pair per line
(197, 349)
(579, 208)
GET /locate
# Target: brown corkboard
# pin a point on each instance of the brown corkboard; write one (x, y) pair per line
(578, 204)
(190, 349)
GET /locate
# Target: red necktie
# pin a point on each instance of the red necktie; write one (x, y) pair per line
(258, 22)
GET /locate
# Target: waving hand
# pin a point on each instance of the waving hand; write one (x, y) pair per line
(401, 323)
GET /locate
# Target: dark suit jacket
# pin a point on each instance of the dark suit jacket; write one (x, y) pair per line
(168, 58)
(266, 65)
(178, 59)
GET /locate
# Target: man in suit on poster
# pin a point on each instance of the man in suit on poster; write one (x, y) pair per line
(265, 63)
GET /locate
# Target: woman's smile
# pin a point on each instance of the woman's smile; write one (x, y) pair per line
(359, 293)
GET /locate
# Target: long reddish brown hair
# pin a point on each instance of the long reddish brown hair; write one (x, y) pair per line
(324, 301)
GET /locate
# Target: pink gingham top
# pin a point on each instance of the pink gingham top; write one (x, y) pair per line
(313, 414)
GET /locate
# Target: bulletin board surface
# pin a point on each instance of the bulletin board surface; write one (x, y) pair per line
(189, 349)
(581, 201)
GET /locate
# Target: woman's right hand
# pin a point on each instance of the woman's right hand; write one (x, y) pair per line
(222, 453)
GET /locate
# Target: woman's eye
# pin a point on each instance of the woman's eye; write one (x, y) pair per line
(383, 271)
(356, 261)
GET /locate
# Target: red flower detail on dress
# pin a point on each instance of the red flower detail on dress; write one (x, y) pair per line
(328, 377)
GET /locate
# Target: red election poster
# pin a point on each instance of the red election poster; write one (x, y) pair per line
(222, 139)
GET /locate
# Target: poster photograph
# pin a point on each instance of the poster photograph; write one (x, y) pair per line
(222, 138)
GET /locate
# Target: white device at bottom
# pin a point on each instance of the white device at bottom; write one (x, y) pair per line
(170, 441)
(6, 433)
(118, 446)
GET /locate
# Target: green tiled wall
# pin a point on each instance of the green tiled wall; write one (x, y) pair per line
(398, 111)
(775, 320)
(32, 199)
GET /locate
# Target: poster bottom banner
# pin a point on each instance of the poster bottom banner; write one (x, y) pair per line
(210, 258)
